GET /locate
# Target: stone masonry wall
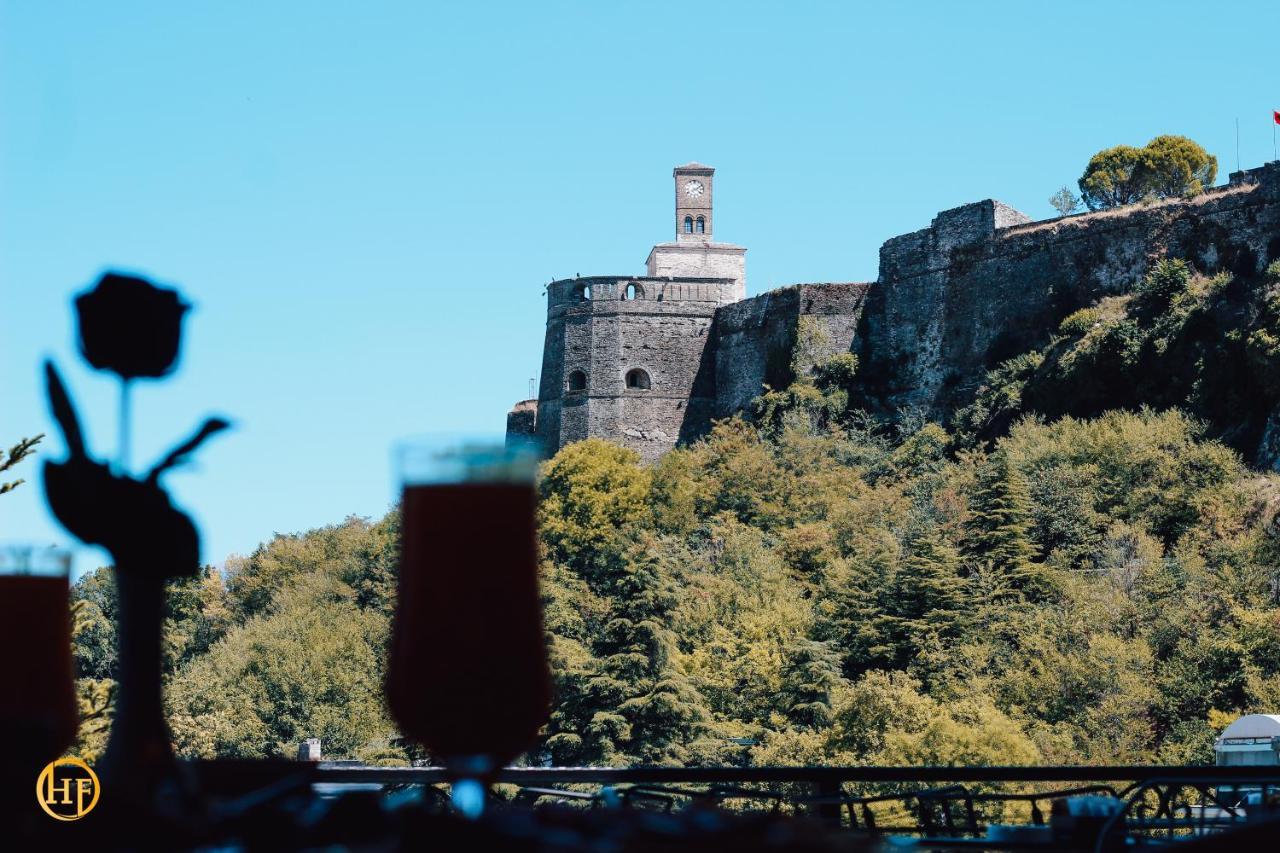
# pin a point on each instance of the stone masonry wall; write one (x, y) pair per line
(979, 285)
(982, 284)
(664, 331)
(754, 337)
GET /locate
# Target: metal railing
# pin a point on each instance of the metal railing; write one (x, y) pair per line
(939, 805)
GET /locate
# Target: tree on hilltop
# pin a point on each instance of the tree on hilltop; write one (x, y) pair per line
(1064, 201)
(1168, 166)
(1113, 178)
(1177, 166)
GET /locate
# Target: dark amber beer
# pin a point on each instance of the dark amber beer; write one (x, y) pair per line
(467, 674)
(38, 703)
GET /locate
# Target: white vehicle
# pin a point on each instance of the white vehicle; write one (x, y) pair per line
(1251, 740)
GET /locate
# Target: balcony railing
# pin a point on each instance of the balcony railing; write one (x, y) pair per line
(940, 807)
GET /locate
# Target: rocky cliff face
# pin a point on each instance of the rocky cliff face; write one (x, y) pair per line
(981, 283)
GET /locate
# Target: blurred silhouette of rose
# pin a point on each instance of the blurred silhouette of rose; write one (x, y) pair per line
(130, 327)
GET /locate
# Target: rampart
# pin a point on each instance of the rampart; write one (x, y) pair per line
(627, 358)
(982, 283)
(650, 361)
(754, 337)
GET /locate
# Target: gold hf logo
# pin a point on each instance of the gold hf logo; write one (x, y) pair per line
(67, 789)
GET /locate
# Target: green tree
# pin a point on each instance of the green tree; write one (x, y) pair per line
(1114, 177)
(631, 703)
(24, 448)
(591, 490)
(998, 530)
(1064, 201)
(812, 683)
(927, 592)
(1167, 279)
(343, 550)
(197, 616)
(93, 597)
(1166, 167)
(1177, 166)
(311, 667)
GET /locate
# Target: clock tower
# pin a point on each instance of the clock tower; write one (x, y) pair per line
(694, 254)
(693, 202)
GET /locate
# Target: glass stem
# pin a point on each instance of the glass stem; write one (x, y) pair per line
(125, 422)
(467, 796)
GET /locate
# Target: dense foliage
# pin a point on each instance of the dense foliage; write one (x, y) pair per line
(1166, 167)
(1209, 346)
(1077, 569)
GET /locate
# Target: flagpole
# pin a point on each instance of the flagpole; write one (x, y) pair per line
(1238, 143)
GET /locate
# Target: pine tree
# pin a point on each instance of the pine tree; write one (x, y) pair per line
(631, 704)
(924, 598)
(998, 531)
(811, 682)
(928, 585)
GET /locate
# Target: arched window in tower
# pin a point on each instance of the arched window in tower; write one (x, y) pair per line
(637, 380)
(702, 225)
(633, 291)
(577, 381)
(688, 225)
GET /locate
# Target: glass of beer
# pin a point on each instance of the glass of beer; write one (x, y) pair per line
(467, 670)
(38, 706)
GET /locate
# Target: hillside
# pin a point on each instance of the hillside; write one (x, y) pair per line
(1080, 568)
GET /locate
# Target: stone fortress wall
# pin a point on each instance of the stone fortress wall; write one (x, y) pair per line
(980, 284)
(603, 328)
(754, 337)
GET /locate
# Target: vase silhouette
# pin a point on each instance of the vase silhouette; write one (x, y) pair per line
(150, 541)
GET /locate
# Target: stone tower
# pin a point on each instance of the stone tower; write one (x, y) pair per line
(694, 183)
(693, 253)
(628, 358)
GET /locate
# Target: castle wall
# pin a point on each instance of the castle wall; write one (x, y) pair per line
(979, 285)
(754, 337)
(522, 420)
(982, 284)
(665, 332)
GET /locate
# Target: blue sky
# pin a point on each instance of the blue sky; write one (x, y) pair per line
(364, 200)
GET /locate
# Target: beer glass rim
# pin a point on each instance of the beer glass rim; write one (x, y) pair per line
(460, 457)
(28, 559)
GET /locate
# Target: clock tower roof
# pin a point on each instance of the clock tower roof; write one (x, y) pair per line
(693, 168)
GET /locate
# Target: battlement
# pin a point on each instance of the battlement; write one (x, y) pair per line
(605, 292)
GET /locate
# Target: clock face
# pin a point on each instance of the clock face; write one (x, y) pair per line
(693, 189)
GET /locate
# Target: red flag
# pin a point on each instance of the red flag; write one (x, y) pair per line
(1276, 115)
